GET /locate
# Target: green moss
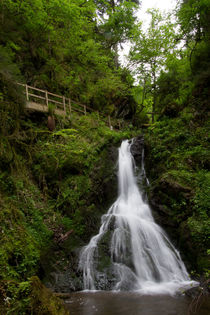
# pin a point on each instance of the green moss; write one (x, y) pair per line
(14, 297)
(19, 252)
(43, 302)
(29, 297)
(178, 166)
(104, 260)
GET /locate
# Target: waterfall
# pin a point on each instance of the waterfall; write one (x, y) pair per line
(131, 251)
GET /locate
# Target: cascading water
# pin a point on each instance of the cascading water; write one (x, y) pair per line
(131, 252)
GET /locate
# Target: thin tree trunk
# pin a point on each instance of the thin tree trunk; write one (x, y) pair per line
(154, 95)
(116, 57)
(115, 46)
(153, 108)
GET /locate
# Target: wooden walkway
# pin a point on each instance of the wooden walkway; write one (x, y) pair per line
(41, 100)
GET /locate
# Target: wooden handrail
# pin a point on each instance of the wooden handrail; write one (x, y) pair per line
(53, 101)
(37, 96)
(50, 93)
(67, 105)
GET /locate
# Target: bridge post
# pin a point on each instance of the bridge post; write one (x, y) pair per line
(27, 96)
(64, 104)
(46, 98)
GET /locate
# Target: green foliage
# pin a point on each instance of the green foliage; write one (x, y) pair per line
(50, 182)
(9, 73)
(15, 296)
(149, 53)
(174, 86)
(22, 218)
(199, 223)
(179, 151)
(18, 259)
(118, 26)
(51, 109)
(179, 140)
(61, 48)
(65, 161)
(29, 297)
(194, 16)
(45, 196)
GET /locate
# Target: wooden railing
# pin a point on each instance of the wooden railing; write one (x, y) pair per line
(41, 100)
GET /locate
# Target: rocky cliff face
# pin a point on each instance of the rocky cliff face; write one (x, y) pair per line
(136, 149)
(161, 194)
(59, 266)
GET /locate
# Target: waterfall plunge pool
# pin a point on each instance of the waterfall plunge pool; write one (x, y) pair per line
(131, 303)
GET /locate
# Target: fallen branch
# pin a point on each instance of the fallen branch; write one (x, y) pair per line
(64, 237)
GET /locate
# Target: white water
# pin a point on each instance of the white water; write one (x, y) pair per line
(140, 255)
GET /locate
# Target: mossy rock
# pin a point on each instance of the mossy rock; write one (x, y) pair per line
(43, 301)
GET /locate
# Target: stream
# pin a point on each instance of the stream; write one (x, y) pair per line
(130, 303)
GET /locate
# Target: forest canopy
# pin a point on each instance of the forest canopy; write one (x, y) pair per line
(68, 47)
(72, 48)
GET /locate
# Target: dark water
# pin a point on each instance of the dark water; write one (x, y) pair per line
(127, 303)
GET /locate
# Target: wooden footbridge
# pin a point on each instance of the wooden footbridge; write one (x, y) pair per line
(42, 101)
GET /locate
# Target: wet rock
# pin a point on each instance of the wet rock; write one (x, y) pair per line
(64, 282)
(174, 187)
(203, 289)
(136, 149)
(59, 266)
(106, 281)
(194, 292)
